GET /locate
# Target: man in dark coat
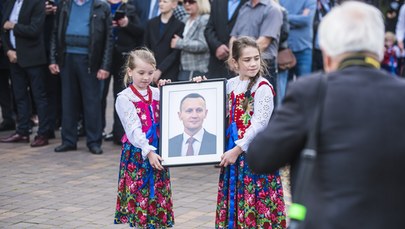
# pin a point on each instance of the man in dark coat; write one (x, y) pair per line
(81, 50)
(217, 33)
(23, 43)
(357, 176)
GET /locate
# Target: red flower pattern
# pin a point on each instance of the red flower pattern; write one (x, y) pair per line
(134, 206)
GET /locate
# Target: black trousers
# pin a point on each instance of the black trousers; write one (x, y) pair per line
(80, 87)
(5, 96)
(53, 89)
(117, 74)
(24, 79)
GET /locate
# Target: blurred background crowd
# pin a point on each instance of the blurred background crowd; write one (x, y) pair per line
(58, 58)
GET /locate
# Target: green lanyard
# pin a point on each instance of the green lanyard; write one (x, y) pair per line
(359, 60)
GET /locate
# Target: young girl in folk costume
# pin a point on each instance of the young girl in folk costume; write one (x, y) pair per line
(144, 193)
(247, 200)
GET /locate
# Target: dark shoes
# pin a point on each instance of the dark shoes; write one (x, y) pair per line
(40, 140)
(15, 138)
(96, 150)
(7, 125)
(64, 148)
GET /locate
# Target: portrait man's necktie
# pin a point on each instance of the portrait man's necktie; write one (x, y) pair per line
(190, 150)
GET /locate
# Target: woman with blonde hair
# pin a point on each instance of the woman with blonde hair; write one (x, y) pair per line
(194, 48)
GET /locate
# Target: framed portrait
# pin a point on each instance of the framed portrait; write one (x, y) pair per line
(192, 122)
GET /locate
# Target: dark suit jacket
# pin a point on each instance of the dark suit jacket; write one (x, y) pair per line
(217, 32)
(28, 31)
(208, 145)
(4, 63)
(358, 176)
(168, 59)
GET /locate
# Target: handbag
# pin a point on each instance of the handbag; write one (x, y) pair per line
(306, 164)
(286, 59)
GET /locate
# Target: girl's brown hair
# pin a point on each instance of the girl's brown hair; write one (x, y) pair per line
(237, 46)
(144, 54)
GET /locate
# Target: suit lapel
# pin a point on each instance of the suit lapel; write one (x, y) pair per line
(8, 10)
(166, 28)
(155, 30)
(22, 10)
(193, 27)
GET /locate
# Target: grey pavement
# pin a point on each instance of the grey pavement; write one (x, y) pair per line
(43, 189)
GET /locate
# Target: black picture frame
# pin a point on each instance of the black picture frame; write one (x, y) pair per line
(172, 129)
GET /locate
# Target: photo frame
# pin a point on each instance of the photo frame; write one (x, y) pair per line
(192, 109)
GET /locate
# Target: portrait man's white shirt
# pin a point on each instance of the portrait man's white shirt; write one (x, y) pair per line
(196, 145)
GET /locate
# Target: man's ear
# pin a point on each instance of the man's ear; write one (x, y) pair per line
(327, 62)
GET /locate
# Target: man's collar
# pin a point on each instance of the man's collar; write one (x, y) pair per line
(198, 136)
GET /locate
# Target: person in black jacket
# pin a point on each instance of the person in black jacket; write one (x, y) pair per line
(128, 35)
(217, 33)
(158, 34)
(8, 122)
(23, 43)
(81, 48)
(357, 175)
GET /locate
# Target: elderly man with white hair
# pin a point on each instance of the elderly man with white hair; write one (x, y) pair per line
(357, 178)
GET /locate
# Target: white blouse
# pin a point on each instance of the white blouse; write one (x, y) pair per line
(130, 119)
(263, 107)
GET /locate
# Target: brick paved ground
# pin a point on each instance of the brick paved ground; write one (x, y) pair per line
(43, 189)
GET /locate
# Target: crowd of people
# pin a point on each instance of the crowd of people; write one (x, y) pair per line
(59, 56)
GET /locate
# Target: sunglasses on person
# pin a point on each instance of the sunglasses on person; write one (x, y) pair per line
(189, 1)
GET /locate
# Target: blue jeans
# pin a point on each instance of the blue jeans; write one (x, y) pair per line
(282, 79)
(304, 63)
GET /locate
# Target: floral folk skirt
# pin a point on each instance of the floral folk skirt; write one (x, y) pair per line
(144, 194)
(247, 200)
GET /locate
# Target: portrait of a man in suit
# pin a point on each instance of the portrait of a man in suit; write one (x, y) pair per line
(194, 140)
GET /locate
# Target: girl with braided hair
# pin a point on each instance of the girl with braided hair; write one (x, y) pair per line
(247, 200)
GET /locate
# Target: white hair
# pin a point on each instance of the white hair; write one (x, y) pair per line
(352, 27)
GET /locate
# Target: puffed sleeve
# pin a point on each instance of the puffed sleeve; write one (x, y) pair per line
(263, 106)
(132, 124)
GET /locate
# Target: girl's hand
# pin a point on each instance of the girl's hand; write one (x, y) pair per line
(198, 79)
(154, 160)
(230, 156)
(162, 82)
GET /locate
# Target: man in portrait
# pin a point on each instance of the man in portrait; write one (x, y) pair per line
(194, 140)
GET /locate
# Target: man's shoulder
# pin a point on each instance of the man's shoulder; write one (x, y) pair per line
(209, 135)
(176, 138)
(308, 81)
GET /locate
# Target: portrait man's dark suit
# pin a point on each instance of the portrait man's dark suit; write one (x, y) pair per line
(208, 145)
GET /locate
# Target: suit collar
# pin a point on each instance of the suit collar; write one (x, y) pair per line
(198, 136)
(167, 26)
